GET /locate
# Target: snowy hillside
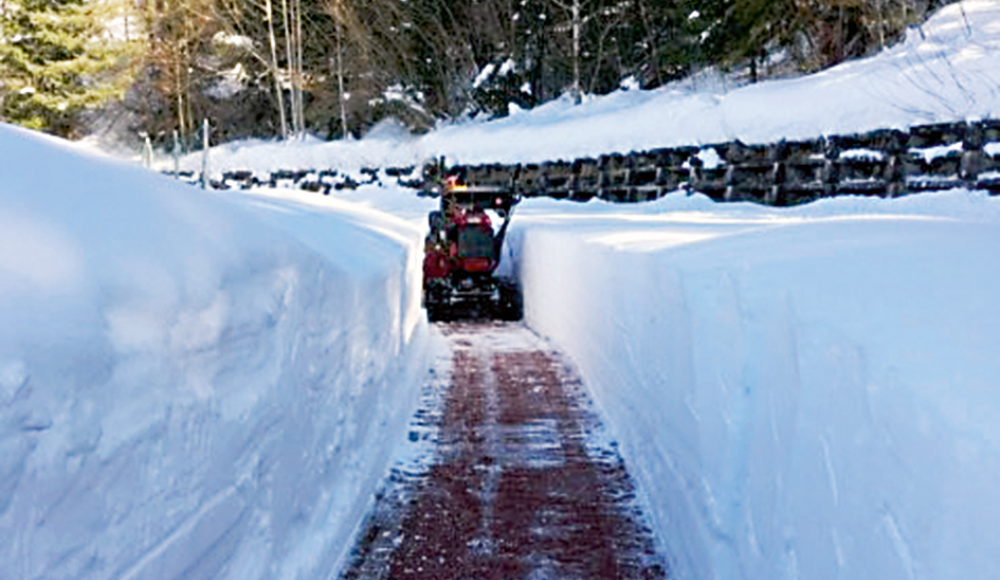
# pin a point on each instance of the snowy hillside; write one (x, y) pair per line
(185, 390)
(946, 70)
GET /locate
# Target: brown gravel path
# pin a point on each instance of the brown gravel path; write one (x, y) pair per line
(519, 484)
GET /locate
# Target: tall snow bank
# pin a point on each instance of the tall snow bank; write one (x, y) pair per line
(186, 392)
(802, 393)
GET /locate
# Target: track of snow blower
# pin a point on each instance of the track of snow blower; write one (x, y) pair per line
(462, 252)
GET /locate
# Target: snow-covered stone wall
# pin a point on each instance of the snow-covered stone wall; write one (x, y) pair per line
(800, 394)
(185, 390)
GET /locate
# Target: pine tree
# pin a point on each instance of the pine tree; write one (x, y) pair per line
(57, 61)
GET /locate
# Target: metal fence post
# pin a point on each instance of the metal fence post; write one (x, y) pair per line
(147, 151)
(204, 154)
(177, 155)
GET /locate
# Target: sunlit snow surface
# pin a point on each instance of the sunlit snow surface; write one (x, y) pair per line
(200, 385)
(801, 393)
(186, 390)
(805, 393)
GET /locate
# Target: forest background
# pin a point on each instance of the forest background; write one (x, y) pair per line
(331, 68)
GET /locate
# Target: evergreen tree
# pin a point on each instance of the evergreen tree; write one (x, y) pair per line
(57, 61)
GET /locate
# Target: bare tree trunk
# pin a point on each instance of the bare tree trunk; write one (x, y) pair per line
(291, 67)
(298, 66)
(839, 54)
(576, 24)
(274, 71)
(188, 109)
(599, 56)
(881, 25)
(512, 41)
(179, 87)
(650, 57)
(577, 97)
(340, 86)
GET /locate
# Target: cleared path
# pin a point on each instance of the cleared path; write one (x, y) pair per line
(520, 483)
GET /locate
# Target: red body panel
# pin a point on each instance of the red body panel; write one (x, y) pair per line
(475, 264)
(436, 265)
(445, 259)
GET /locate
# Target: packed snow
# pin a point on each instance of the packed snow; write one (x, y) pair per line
(802, 393)
(187, 390)
(199, 384)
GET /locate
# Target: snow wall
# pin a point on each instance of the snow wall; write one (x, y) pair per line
(185, 390)
(801, 393)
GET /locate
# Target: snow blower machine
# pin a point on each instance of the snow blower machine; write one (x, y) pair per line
(462, 253)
